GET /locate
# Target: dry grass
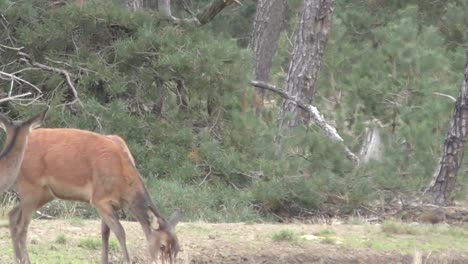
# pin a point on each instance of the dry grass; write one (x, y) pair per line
(61, 241)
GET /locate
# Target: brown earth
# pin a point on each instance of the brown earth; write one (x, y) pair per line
(229, 243)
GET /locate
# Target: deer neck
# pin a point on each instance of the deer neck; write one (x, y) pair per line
(11, 158)
(141, 205)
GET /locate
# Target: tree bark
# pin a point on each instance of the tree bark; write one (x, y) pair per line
(212, 9)
(304, 69)
(443, 181)
(164, 7)
(264, 38)
(372, 146)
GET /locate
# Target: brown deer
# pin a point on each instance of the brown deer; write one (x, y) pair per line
(14, 147)
(78, 165)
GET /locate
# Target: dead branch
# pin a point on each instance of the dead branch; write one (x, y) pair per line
(11, 48)
(14, 97)
(14, 78)
(318, 118)
(64, 73)
(44, 216)
(26, 58)
(202, 17)
(446, 95)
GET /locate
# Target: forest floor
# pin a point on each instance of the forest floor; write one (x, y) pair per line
(78, 241)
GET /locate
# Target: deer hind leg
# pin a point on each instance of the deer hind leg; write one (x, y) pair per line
(111, 221)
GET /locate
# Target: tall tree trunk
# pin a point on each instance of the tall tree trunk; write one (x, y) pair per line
(306, 62)
(266, 31)
(443, 180)
(150, 4)
(164, 7)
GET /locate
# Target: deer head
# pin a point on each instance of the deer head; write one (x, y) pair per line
(14, 147)
(9, 126)
(164, 239)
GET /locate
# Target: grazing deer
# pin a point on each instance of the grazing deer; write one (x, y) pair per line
(78, 165)
(14, 147)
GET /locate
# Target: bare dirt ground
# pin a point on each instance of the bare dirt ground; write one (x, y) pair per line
(217, 243)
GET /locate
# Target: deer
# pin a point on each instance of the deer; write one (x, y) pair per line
(80, 165)
(14, 147)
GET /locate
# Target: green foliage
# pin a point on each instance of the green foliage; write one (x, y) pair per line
(393, 228)
(328, 240)
(287, 236)
(61, 239)
(325, 232)
(454, 24)
(217, 160)
(388, 76)
(114, 245)
(207, 202)
(96, 244)
(76, 221)
(90, 244)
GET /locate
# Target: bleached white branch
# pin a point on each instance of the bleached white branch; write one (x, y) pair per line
(446, 95)
(14, 97)
(320, 121)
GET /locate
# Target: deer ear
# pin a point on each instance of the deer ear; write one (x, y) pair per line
(4, 122)
(154, 223)
(175, 218)
(37, 120)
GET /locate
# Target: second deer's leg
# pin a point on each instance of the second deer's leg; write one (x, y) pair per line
(14, 217)
(20, 218)
(19, 223)
(105, 233)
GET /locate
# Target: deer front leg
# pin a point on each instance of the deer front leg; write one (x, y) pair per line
(14, 217)
(111, 220)
(19, 222)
